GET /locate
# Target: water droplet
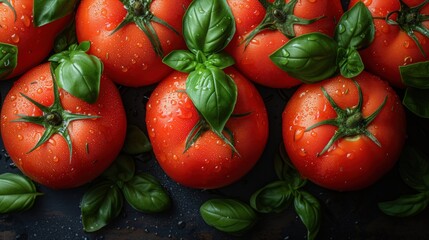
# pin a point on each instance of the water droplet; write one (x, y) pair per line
(144, 66)
(349, 155)
(26, 20)
(408, 60)
(55, 159)
(20, 137)
(124, 69)
(13, 98)
(217, 168)
(103, 12)
(299, 133)
(14, 38)
(39, 90)
(312, 1)
(302, 152)
(109, 27)
(367, 2)
(255, 41)
(406, 44)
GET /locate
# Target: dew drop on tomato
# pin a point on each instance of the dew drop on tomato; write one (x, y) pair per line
(299, 132)
(15, 38)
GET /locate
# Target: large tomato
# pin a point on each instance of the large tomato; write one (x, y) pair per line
(393, 45)
(128, 54)
(33, 43)
(274, 26)
(95, 142)
(359, 146)
(209, 162)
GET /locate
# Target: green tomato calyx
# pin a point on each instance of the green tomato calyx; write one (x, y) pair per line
(279, 16)
(350, 121)
(410, 20)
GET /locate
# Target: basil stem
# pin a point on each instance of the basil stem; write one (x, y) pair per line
(17, 193)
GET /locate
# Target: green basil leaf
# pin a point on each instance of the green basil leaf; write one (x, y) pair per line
(214, 94)
(415, 75)
(220, 60)
(310, 57)
(100, 204)
(405, 206)
(309, 211)
(417, 101)
(414, 168)
(181, 60)
(228, 215)
(17, 193)
(355, 28)
(286, 171)
(136, 141)
(144, 193)
(350, 63)
(66, 38)
(48, 11)
(274, 197)
(208, 26)
(122, 170)
(78, 73)
(8, 59)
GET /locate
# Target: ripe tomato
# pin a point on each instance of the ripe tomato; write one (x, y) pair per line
(369, 148)
(128, 55)
(95, 142)
(33, 43)
(392, 46)
(209, 162)
(253, 60)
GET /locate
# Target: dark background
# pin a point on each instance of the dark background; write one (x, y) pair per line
(349, 215)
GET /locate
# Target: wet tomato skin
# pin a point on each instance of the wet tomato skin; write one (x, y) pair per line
(95, 142)
(209, 162)
(352, 163)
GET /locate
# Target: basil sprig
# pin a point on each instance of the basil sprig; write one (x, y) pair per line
(416, 98)
(48, 11)
(17, 193)
(208, 27)
(78, 72)
(8, 59)
(104, 200)
(414, 171)
(314, 57)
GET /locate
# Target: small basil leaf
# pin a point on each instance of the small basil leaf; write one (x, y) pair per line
(48, 11)
(122, 170)
(350, 63)
(274, 197)
(415, 75)
(66, 38)
(8, 59)
(309, 211)
(228, 215)
(17, 193)
(355, 28)
(181, 60)
(417, 101)
(144, 193)
(286, 171)
(414, 168)
(208, 26)
(136, 141)
(214, 94)
(78, 72)
(405, 206)
(100, 204)
(310, 57)
(220, 60)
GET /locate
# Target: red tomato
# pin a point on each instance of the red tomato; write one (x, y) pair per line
(392, 47)
(128, 55)
(253, 60)
(95, 142)
(352, 162)
(34, 43)
(209, 162)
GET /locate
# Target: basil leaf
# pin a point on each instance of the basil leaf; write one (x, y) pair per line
(286, 171)
(66, 38)
(144, 193)
(308, 209)
(100, 205)
(415, 75)
(414, 168)
(220, 60)
(417, 101)
(228, 215)
(350, 63)
(208, 26)
(136, 141)
(48, 11)
(181, 60)
(355, 28)
(8, 59)
(405, 206)
(122, 170)
(78, 73)
(17, 193)
(274, 197)
(214, 94)
(310, 57)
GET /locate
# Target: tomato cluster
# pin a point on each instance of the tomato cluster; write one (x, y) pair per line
(343, 128)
